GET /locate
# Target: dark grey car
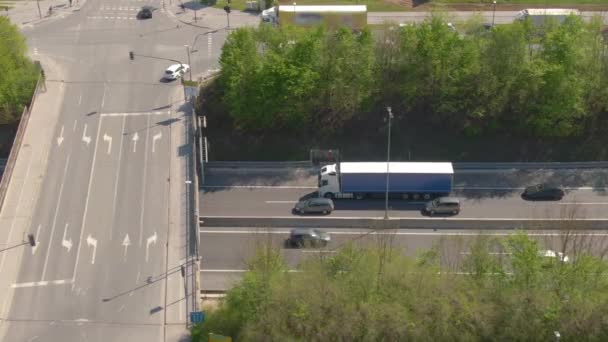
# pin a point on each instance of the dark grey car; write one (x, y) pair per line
(307, 237)
(443, 205)
(314, 206)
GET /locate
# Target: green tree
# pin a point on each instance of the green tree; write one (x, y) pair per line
(19, 74)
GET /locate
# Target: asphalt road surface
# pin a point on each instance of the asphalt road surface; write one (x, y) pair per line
(484, 194)
(99, 271)
(498, 17)
(225, 251)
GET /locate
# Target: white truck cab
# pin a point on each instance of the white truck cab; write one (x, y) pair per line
(329, 183)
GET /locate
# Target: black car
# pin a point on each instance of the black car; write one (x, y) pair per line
(543, 192)
(307, 237)
(145, 13)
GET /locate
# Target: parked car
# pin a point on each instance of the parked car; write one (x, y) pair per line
(145, 12)
(314, 206)
(443, 205)
(543, 192)
(176, 71)
(307, 237)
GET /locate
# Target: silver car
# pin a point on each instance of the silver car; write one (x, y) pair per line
(314, 205)
(443, 205)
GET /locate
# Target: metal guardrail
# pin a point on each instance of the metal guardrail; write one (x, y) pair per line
(456, 165)
(12, 159)
(412, 223)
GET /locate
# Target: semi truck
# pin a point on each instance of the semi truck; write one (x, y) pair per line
(333, 16)
(407, 180)
(538, 15)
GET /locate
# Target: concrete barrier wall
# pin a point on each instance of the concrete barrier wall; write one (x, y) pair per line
(412, 223)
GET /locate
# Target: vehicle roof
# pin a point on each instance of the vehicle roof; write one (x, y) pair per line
(320, 200)
(324, 9)
(398, 167)
(299, 231)
(448, 200)
(550, 11)
(174, 67)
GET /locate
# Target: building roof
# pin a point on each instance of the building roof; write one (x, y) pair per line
(398, 167)
(323, 9)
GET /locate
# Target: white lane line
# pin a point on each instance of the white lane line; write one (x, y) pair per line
(340, 232)
(151, 240)
(86, 204)
(257, 187)
(122, 131)
(155, 137)
(58, 204)
(108, 139)
(86, 138)
(134, 113)
(583, 203)
(80, 97)
(122, 135)
(42, 283)
(103, 98)
(144, 186)
(92, 242)
(67, 243)
(272, 202)
(74, 128)
(393, 219)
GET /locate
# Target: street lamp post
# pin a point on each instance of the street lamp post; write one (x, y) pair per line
(388, 159)
(294, 10)
(189, 65)
(493, 12)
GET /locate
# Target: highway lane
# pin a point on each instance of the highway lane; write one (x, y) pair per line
(99, 271)
(225, 251)
(278, 202)
(485, 194)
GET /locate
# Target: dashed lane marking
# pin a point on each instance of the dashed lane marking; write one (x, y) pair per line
(135, 113)
(42, 283)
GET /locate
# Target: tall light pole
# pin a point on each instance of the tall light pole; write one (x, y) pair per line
(294, 11)
(388, 159)
(493, 12)
(189, 65)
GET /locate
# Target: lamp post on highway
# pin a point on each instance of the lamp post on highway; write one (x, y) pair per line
(294, 10)
(388, 159)
(493, 12)
(189, 65)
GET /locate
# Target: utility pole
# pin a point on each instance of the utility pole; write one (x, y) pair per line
(388, 159)
(189, 65)
(493, 12)
(39, 12)
(227, 9)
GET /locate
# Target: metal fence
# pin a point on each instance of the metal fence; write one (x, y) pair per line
(25, 118)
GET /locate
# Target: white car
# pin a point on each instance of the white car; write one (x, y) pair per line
(559, 256)
(176, 71)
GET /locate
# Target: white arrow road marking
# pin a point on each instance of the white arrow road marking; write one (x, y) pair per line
(66, 243)
(60, 137)
(85, 138)
(108, 139)
(92, 242)
(126, 242)
(135, 138)
(154, 138)
(151, 239)
(36, 239)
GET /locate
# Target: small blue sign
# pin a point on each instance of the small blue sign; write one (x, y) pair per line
(197, 317)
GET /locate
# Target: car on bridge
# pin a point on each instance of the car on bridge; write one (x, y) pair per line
(542, 192)
(307, 237)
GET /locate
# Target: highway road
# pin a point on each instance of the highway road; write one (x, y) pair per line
(500, 17)
(225, 251)
(106, 263)
(484, 194)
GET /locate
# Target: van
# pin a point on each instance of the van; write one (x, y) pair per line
(443, 205)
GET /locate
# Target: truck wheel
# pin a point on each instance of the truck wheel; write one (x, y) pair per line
(329, 195)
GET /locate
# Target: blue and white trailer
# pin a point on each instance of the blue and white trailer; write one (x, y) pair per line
(407, 180)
